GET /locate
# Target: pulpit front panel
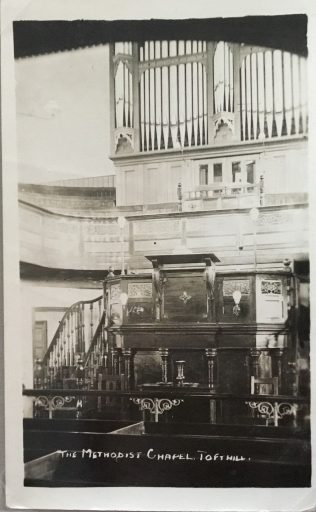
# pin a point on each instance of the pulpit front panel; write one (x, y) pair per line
(185, 298)
(226, 303)
(139, 307)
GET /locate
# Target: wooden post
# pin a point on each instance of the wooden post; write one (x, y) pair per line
(211, 357)
(254, 354)
(127, 357)
(80, 374)
(279, 359)
(164, 354)
(114, 361)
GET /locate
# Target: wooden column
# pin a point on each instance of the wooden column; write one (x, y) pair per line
(136, 106)
(254, 354)
(128, 367)
(80, 374)
(236, 81)
(211, 357)
(164, 354)
(279, 361)
(114, 361)
(210, 91)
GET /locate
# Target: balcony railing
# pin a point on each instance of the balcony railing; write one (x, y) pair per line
(224, 195)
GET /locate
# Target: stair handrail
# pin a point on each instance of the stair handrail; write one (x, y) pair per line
(61, 323)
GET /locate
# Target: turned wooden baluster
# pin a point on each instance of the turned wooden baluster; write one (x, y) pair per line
(211, 357)
(76, 330)
(164, 354)
(91, 322)
(127, 355)
(105, 346)
(279, 359)
(255, 354)
(80, 374)
(180, 373)
(83, 342)
(114, 361)
(68, 342)
(71, 349)
(100, 309)
(64, 347)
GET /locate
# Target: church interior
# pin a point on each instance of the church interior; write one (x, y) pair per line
(166, 304)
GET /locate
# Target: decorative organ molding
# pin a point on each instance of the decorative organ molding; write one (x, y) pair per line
(223, 118)
(172, 61)
(247, 50)
(126, 59)
(124, 139)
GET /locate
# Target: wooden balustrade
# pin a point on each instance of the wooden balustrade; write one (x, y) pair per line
(96, 357)
(79, 328)
(219, 190)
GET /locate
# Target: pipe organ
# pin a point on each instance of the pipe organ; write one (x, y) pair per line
(187, 94)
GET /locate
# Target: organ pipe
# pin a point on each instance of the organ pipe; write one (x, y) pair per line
(175, 96)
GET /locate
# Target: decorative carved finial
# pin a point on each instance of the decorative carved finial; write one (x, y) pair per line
(286, 263)
(111, 271)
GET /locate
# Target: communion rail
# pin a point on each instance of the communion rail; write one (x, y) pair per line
(269, 410)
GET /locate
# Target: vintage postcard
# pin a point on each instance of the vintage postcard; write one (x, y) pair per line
(157, 193)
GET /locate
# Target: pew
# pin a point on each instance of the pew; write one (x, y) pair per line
(154, 454)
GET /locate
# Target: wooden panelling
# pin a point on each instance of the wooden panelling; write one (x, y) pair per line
(172, 340)
(225, 303)
(138, 311)
(185, 298)
(274, 462)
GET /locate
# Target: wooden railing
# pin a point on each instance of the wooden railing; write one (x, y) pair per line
(72, 339)
(97, 354)
(222, 190)
(271, 408)
(224, 195)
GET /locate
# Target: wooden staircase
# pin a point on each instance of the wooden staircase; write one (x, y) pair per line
(79, 337)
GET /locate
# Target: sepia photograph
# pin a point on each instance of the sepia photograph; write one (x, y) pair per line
(164, 252)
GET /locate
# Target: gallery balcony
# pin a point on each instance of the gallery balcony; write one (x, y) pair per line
(223, 195)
